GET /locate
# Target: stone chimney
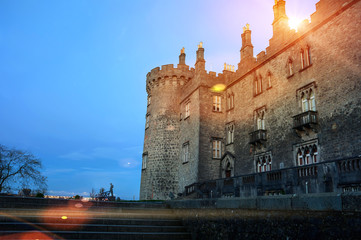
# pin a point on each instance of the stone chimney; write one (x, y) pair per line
(247, 47)
(182, 57)
(280, 22)
(200, 62)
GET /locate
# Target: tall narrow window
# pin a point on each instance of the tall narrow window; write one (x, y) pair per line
(308, 56)
(230, 133)
(312, 101)
(230, 101)
(269, 84)
(217, 148)
(216, 103)
(148, 100)
(187, 111)
(304, 102)
(260, 119)
(290, 67)
(314, 153)
(185, 156)
(259, 84)
(302, 59)
(145, 159)
(299, 157)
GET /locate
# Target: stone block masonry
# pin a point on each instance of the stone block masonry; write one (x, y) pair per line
(294, 106)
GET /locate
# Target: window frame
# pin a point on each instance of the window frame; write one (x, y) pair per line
(185, 152)
(217, 103)
(144, 161)
(216, 148)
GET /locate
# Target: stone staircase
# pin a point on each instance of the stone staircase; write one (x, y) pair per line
(29, 218)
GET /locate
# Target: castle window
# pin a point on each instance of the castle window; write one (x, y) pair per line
(145, 159)
(217, 103)
(230, 133)
(258, 85)
(185, 152)
(308, 101)
(303, 65)
(148, 100)
(187, 113)
(230, 101)
(308, 56)
(147, 117)
(306, 153)
(263, 162)
(217, 148)
(269, 84)
(305, 57)
(290, 67)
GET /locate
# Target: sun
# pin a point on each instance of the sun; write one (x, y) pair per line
(294, 22)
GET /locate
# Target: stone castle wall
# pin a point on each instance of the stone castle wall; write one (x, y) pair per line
(333, 74)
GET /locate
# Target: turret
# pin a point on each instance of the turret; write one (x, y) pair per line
(247, 47)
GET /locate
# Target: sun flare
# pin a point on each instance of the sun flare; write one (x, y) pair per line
(294, 22)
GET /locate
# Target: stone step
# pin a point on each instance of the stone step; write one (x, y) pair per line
(16, 226)
(7, 235)
(79, 221)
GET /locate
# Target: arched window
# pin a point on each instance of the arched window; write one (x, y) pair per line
(307, 156)
(299, 157)
(269, 163)
(314, 153)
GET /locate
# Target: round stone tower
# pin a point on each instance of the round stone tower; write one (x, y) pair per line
(161, 139)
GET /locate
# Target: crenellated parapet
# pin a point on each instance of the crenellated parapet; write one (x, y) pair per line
(168, 74)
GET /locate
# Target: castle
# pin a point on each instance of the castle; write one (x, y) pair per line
(286, 121)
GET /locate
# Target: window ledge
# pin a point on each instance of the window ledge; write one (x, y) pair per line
(217, 111)
(257, 94)
(229, 143)
(269, 88)
(288, 77)
(303, 69)
(185, 162)
(228, 110)
(217, 158)
(186, 118)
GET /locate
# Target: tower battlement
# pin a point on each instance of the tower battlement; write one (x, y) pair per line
(160, 76)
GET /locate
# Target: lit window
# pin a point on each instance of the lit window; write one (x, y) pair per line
(216, 103)
(145, 159)
(185, 150)
(216, 149)
(187, 114)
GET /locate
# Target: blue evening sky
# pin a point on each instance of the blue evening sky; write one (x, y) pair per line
(72, 76)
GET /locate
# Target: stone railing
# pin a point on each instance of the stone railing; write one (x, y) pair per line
(330, 176)
(305, 119)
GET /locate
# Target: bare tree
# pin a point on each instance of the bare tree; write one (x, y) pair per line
(20, 168)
